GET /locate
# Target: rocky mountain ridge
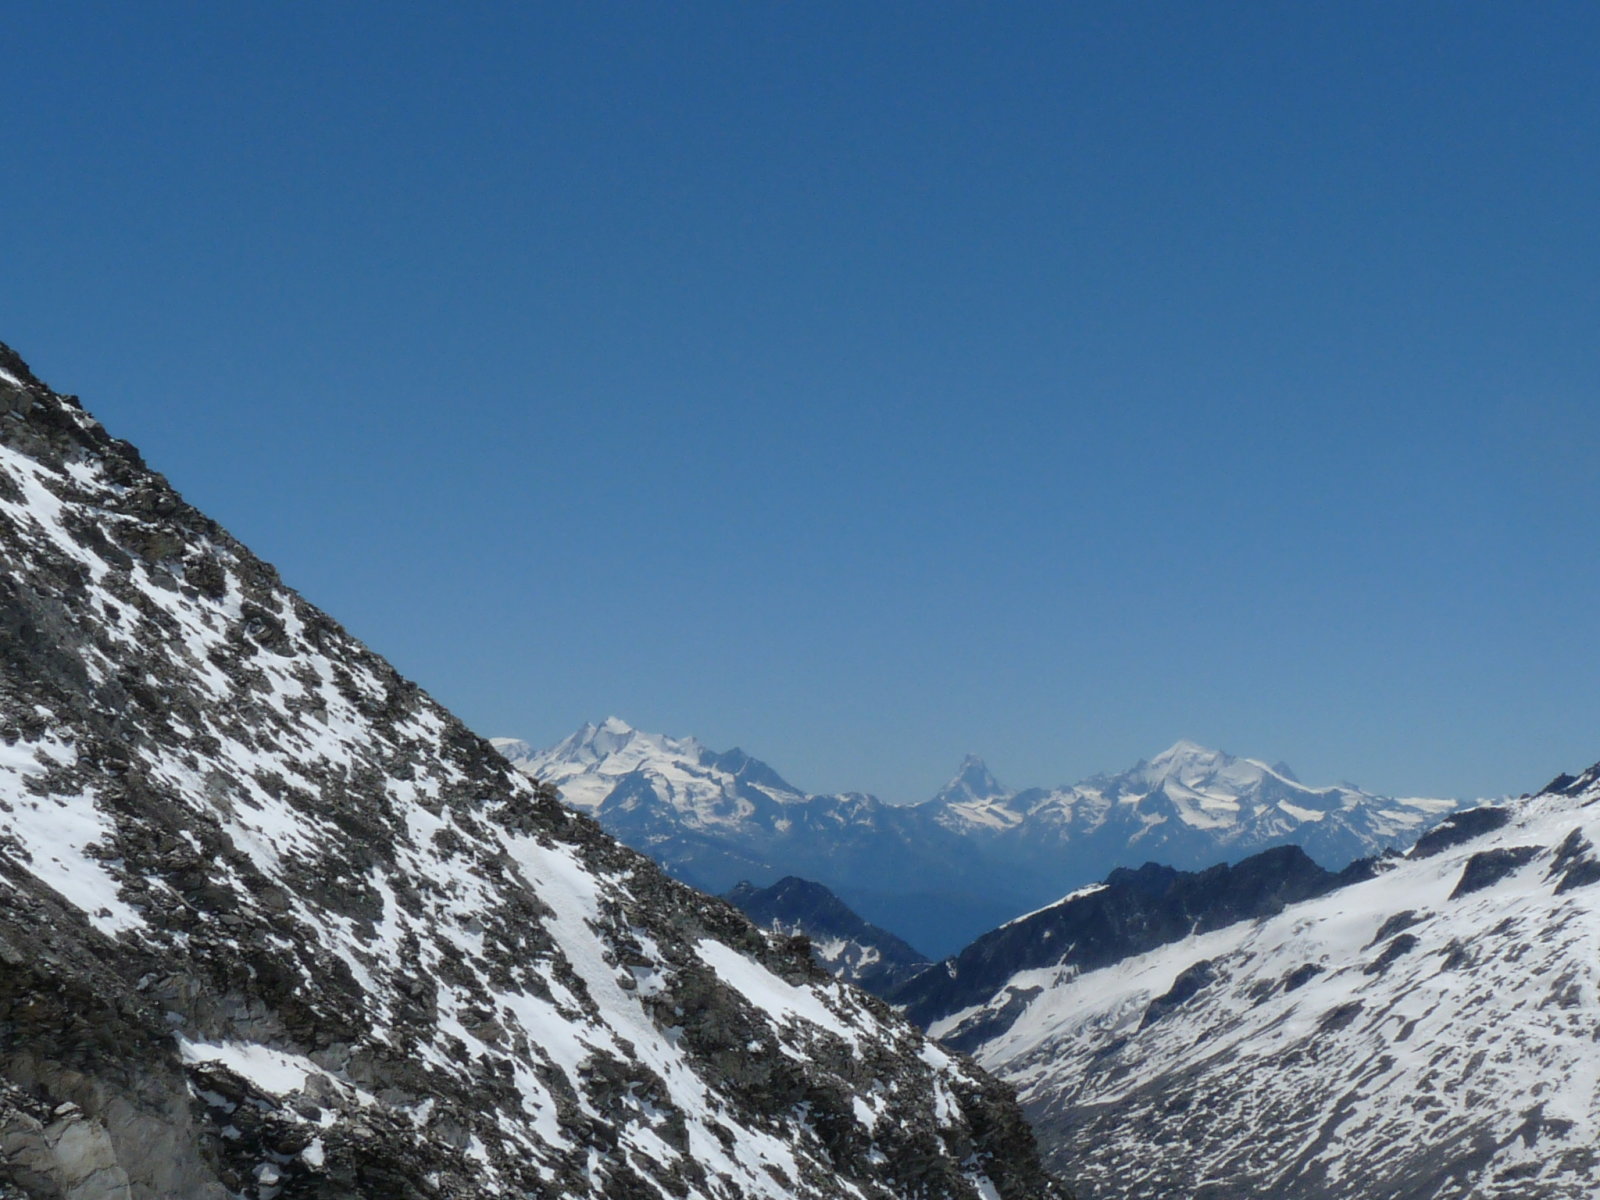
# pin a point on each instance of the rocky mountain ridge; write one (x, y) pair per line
(276, 926)
(944, 871)
(842, 944)
(1131, 912)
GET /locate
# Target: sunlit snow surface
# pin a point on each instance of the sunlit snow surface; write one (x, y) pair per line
(590, 764)
(325, 797)
(1456, 1055)
(53, 834)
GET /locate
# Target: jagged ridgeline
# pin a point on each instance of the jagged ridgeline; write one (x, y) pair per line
(275, 924)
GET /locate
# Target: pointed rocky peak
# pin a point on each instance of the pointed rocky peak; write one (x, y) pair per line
(1284, 770)
(14, 371)
(972, 781)
(797, 891)
(747, 769)
(845, 945)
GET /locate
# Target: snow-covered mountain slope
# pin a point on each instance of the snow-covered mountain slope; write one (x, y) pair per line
(1433, 1031)
(842, 944)
(705, 789)
(1131, 912)
(941, 872)
(276, 925)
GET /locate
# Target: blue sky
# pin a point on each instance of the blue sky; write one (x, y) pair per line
(867, 384)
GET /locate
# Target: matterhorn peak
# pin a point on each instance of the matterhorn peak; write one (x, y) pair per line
(972, 781)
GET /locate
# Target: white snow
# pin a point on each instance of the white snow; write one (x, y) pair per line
(1077, 894)
(767, 992)
(1301, 814)
(273, 1071)
(55, 834)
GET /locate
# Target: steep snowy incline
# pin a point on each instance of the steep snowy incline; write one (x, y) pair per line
(1433, 1031)
(274, 924)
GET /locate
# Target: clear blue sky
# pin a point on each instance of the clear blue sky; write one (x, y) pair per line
(867, 384)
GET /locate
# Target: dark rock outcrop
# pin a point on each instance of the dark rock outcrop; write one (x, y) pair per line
(1459, 828)
(1489, 867)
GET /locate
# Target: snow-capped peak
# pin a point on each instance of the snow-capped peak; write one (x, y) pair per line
(608, 737)
(1196, 767)
(1186, 758)
(717, 818)
(514, 750)
(613, 747)
(972, 781)
(1185, 749)
(613, 757)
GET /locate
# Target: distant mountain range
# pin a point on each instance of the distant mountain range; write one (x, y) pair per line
(1422, 1026)
(943, 871)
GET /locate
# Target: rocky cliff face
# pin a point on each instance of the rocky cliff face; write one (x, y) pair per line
(275, 925)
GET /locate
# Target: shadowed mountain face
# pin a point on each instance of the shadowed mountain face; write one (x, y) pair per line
(1422, 1027)
(942, 872)
(274, 925)
(842, 943)
(1131, 912)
